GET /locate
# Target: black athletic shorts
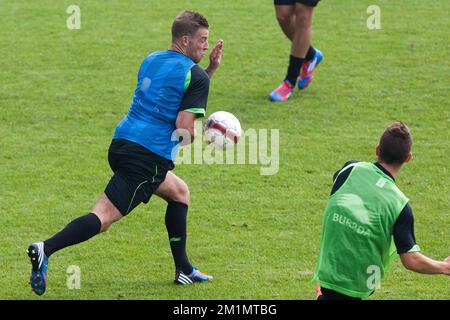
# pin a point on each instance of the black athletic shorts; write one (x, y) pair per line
(328, 294)
(138, 172)
(311, 3)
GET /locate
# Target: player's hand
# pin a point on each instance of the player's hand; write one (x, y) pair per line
(447, 260)
(215, 58)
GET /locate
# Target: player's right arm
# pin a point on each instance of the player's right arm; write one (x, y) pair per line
(405, 241)
(417, 262)
(193, 105)
(185, 125)
(215, 58)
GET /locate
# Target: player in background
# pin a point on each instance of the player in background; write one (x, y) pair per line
(295, 19)
(365, 211)
(171, 92)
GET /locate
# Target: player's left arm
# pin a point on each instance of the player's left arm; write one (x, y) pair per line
(215, 58)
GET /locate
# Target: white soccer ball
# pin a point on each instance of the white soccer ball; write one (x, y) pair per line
(222, 130)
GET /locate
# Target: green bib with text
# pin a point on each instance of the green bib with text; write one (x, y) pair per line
(358, 223)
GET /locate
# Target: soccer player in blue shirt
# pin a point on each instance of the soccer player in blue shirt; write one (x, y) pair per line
(171, 92)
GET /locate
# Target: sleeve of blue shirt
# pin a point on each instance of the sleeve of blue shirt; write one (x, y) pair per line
(196, 95)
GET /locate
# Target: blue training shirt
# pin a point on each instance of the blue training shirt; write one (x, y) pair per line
(168, 82)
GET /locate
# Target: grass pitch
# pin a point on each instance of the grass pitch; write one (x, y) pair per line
(64, 91)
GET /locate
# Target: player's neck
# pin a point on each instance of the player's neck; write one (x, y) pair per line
(176, 47)
(393, 170)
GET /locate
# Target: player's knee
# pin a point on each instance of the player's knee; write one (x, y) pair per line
(182, 193)
(303, 21)
(107, 219)
(283, 17)
(105, 225)
(106, 212)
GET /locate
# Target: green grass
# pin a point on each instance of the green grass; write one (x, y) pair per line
(64, 91)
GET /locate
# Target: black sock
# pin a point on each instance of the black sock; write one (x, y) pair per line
(176, 215)
(310, 54)
(79, 230)
(293, 72)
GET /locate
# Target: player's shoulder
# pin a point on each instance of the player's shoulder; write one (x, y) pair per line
(350, 162)
(199, 79)
(345, 169)
(349, 165)
(155, 54)
(198, 74)
(171, 55)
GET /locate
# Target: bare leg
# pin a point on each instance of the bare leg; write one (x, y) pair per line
(303, 30)
(286, 19)
(102, 215)
(173, 189)
(106, 212)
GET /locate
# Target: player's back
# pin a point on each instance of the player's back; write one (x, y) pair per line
(162, 80)
(357, 230)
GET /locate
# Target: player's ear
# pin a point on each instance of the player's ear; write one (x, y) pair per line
(377, 150)
(184, 40)
(409, 158)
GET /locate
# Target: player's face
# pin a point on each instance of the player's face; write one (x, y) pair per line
(198, 45)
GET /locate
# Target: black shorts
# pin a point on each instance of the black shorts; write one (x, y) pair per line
(138, 172)
(311, 3)
(328, 294)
